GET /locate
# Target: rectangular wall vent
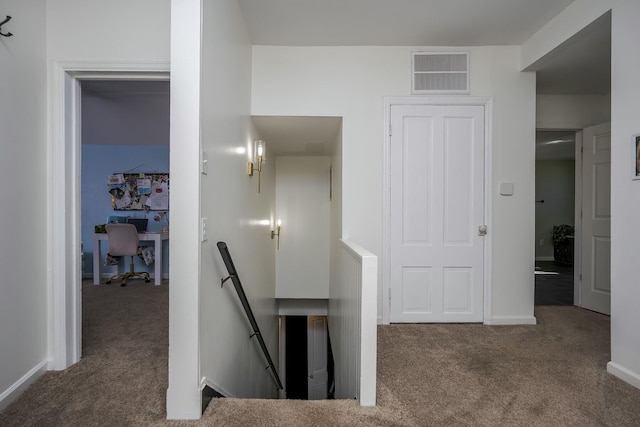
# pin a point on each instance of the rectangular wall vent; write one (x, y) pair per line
(440, 72)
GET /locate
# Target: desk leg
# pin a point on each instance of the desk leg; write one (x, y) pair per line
(158, 261)
(96, 260)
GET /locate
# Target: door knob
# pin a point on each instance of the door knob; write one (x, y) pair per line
(311, 376)
(482, 230)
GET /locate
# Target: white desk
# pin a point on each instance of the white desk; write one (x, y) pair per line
(157, 238)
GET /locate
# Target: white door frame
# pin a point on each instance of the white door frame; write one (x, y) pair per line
(487, 103)
(63, 200)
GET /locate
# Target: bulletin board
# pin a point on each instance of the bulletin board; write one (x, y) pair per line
(139, 191)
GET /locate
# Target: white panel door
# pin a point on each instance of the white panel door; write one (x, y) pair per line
(317, 357)
(437, 207)
(595, 284)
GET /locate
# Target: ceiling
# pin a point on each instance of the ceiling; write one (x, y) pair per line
(294, 136)
(396, 22)
(579, 66)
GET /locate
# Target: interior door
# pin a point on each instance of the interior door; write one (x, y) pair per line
(595, 281)
(437, 213)
(317, 357)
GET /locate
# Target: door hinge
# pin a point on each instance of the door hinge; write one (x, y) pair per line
(389, 294)
(390, 131)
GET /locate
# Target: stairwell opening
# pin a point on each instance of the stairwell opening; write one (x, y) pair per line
(307, 358)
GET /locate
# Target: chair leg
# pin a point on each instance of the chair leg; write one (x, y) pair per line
(131, 274)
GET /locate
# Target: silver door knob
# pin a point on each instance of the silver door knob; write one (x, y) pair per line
(482, 230)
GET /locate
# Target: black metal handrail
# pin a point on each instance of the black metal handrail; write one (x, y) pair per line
(233, 275)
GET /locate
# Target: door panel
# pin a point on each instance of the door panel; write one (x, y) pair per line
(595, 284)
(317, 357)
(437, 205)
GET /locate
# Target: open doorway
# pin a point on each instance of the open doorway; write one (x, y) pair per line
(66, 218)
(308, 359)
(124, 127)
(554, 217)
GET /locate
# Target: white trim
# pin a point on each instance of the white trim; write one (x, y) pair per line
(624, 374)
(487, 103)
(17, 388)
(282, 355)
(511, 320)
(302, 307)
(577, 241)
(63, 202)
(207, 382)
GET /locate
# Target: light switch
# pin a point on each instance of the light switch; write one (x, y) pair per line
(506, 188)
(204, 161)
(203, 231)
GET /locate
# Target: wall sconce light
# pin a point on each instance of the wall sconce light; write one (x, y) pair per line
(258, 159)
(277, 233)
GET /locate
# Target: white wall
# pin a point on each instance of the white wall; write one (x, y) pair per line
(302, 202)
(555, 185)
(572, 112)
(625, 203)
(230, 361)
(625, 193)
(567, 23)
(125, 119)
(114, 31)
(352, 81)
(23, 166)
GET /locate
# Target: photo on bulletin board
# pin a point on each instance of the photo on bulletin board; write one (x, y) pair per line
(139, 191)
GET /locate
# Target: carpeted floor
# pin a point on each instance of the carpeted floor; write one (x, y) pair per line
(550, 374)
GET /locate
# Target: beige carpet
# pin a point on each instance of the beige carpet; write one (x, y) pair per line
(551, 374)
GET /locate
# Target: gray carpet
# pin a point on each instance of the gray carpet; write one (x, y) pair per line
(551, 374)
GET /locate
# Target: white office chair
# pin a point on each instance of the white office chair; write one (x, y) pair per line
(123, 241)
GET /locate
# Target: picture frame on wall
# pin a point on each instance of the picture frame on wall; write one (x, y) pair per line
(635, 146)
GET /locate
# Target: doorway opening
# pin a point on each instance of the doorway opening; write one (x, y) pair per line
(308, 359)
(555, 217)
(124, 127)
(65, 221)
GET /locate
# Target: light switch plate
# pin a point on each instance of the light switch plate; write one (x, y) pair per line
(506, 188)
(203, 162)
(203, 230)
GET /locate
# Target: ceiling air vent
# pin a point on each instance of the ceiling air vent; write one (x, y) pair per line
(440, 72)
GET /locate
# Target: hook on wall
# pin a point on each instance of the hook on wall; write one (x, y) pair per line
(7, 19)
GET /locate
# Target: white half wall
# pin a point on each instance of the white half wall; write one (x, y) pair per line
(351, 82)
(302, 203)
(23, 164)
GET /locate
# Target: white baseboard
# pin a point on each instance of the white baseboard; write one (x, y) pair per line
(544, 258)
(380, 322)
(624, 374)
(511, 320)
(12, 393)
